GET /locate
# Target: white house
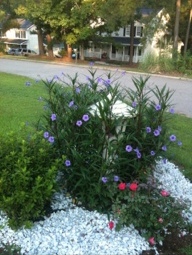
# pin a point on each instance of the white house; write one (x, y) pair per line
(119, 47)
(23, 37)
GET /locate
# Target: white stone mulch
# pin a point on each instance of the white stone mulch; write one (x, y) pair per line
(75, 231)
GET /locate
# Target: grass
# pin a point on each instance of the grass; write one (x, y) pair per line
(181, 126)
(19, 103)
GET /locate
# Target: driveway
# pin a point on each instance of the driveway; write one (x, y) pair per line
(182, 98)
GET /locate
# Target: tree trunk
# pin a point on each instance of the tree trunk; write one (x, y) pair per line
(40, 42)
(81, 52)
(49, 46)
(69, 51)
(176, 28)
(188, 30)
(131, 43)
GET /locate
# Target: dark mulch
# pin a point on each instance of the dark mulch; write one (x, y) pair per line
(173, 244)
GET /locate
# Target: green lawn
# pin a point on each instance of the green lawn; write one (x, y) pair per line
(20, 103)
(181, 126)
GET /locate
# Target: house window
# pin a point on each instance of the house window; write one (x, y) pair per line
(128, 31)
(20, 34)
(138, 31)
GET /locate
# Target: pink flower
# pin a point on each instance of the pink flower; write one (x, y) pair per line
(133, 186)
(111, 225)
(160, 220)
(152, 241)
(164, 193)
(122, 186)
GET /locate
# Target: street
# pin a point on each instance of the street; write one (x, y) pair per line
(182, 98)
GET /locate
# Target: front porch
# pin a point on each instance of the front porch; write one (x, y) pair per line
(111, 52)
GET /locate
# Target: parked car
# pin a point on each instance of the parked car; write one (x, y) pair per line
(25, 52)
(11, 51)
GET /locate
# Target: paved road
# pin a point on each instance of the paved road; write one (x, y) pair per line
(182, 98)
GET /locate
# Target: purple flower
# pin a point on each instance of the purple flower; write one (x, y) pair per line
(85, 117)
(107, 82)
(46, 134)
(172, 138)
(53, 117)
(157, 107)
(56, 77)
(91, 63)
(171, 110)
(134, 104)
(179, 143)
(77, 90)
(138, 154)
(152, 153)
(159, 128)
(51, 139)
(79, 123)
(27, 83)
(136, 150)
(128, 148)
(164, 160)
(99, 79)
(116, 178)
(156, 132)
(71, 103)
(123, 73)
(148, 129)
(67, 162)
(164, 148)
(104, 179)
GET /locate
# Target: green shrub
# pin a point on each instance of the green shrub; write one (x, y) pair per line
(95, 143)
(152, 211)
(27, 177)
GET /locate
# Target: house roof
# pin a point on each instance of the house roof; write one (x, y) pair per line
(127, 40)
(14, 41)
(24, 24)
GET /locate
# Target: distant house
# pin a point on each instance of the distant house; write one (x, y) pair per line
(119, 47)
(23, 37)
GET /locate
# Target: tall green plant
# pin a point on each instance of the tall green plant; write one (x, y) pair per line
(97, 141)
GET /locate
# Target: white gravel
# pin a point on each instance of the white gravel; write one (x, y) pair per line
(75, 231)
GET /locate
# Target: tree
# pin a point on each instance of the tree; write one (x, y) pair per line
(176, 28)
(188, 30)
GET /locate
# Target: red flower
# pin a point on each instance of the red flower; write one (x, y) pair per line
(151, 241)
(122, 186)
(160, 220)
(133, 186)
(111, 225)
(164, 193)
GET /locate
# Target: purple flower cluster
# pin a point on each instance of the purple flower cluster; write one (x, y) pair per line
(85, 118)
(129, 148)
(48, 137)
(104, 179)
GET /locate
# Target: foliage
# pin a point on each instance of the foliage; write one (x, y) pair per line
(27, 177)
(99, 142)
(164, 63)
(10, 249)
(150, 210)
